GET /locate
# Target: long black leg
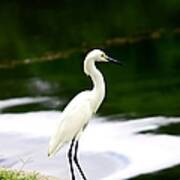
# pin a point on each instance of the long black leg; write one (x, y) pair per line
(77, 163)
(71, 160)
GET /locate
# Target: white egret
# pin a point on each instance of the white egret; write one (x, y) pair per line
(78, 112)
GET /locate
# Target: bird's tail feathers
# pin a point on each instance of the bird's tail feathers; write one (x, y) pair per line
(53, 148)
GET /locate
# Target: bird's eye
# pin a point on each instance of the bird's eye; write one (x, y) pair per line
(102, 55)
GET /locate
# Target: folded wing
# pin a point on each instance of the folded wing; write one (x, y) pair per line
(75, 116)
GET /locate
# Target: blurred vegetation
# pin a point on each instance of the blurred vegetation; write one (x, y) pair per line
(17, 175)
(30, 28)
(42, 42)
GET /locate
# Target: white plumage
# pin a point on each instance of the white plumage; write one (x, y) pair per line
(81, 108)
(73, 119)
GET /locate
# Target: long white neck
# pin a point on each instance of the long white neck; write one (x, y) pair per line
(98, 91)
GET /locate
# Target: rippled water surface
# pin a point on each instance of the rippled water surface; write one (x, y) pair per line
(115, 149)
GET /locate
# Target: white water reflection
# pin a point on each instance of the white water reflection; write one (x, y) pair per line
(48, 101)
(108, 150)
(22, 101)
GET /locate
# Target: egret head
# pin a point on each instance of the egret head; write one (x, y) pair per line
(97, 55)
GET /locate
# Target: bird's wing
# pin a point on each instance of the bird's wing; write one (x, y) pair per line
(73, 119)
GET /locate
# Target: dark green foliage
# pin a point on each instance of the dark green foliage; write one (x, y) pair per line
(30, 28)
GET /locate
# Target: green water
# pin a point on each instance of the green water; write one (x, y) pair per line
(148, 83)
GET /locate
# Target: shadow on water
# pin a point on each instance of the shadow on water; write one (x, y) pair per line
(171, 129)
(169, 174)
